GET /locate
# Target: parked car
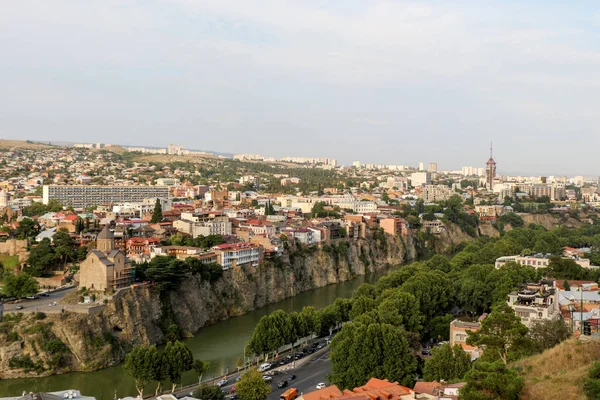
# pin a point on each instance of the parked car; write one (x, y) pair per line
(267, 378)
(291, 377)
(19, 307)
(283, 362)
(282, 384)
(44, 294)
(426, 351)
(321, 385)
(264, 367)
(222, 383)
(232, 390)
(33, 297)
(320, 346)
(238, 378)
(233, 396)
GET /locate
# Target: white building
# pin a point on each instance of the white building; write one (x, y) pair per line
(420, 179)
(538, 261)
(535, 302)
(83, 196)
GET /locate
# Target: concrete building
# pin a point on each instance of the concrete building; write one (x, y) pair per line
(232, 255)
(82, 196)
(436, 193)
(394, 226)
(168, 182)
(538, 261)
(432, 167)
(535, 302)
(106, 268)
(459, 335)
(420, 179)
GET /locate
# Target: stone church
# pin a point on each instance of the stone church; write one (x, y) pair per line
(105, 268)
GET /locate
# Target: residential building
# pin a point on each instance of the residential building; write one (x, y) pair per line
(538, 261)
(394, 226)
(185, 252)
(459, 335)
(141, 245)
(489, 213)
(436, 226)
(83, 196)
(168, 182)
(420, 179)
(374, 389)
(106, 268)
(436, 193)
(236, 254)
(535, 302)
(432, 167)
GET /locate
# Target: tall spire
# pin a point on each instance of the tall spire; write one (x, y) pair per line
(491, 143)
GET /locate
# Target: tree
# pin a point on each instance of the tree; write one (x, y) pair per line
(502, 335)
(157, 215)
(140, 364)
(19, 286)
(209, 392)
(63, 246)
(41, 258)
(566, 285)
(177, 359)
(239, 363)
(252, 386)
(491, 381)
(400, 309)
(362, 351)
(447, 362)
(200, 367)
(27, 228)
(432, 289)
(549, 333)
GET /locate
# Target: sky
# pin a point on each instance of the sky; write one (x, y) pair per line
(390, 82)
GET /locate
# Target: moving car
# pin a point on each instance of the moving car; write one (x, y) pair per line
(321, 385)
(19, 307)
(289, 394)
(291, 377)
(267, 378)
(264, 367)
(282, 384)
(222, 383)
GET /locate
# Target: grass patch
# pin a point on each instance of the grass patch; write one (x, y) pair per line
(9, 262)
(558, 373)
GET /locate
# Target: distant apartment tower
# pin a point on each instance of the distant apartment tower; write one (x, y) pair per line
(421, 166)
(490, 171)
(82, 196)
(420, 179)
(432, 167)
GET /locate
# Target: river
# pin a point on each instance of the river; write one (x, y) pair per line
(220, 344)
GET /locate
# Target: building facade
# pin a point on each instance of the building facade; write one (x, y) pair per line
(232, 255)
(82, 196)
(535, 302)
(490, 171)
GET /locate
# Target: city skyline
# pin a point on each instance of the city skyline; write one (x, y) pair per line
(379, 81)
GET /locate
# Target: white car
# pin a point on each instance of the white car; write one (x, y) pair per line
(267, 378)
(222, 383)
(321, 385)
(264, 367)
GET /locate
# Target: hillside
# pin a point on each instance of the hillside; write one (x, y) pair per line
(22, 144)
(559, 373)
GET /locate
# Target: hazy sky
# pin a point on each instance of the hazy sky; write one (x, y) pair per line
(377, 81)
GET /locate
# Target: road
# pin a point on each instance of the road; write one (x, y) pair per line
(308, 375)
(41, 304)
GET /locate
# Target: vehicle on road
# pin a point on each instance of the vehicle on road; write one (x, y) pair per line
(222, 383)
(238, 378)
(289, 394)
(32, 297)
(282, 384)
(426, 351)
(44, 294)
(264, 367)
(267, 378)
(321, 385)
(291, 377)
(272, 373)
(320, 346)
(232, 390)
(233, 396)
(18, 307)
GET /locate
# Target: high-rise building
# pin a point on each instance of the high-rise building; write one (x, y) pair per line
(421, 166)
(432, 167)
(490, 171)
(82, 196)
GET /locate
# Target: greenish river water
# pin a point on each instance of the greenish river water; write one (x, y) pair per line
(220, 344)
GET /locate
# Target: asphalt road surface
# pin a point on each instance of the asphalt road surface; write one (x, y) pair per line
(308, 376)
(41, 304)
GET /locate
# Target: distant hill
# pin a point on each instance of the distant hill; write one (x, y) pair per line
(559, 373)
(23, 144)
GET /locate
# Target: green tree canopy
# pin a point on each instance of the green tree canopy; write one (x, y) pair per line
(491, 381)
(209, 392)
(360, 352)
(157, 214)
(448, 363)
(19, 286)
(200, 367)
(140, 364)
(252, 386)
(177, 359)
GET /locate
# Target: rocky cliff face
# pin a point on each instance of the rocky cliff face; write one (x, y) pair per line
(31, 345)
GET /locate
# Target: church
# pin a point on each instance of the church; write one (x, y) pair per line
(105, 268)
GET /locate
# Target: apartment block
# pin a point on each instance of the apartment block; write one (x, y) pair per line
(535, 302)
(82, 196)
(435, 193)
(232, 255)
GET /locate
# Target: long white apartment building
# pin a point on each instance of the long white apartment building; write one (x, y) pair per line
(306, 203)
(82, 196)
(539, 261)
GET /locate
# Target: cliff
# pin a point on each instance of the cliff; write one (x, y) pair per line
(37, 344)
